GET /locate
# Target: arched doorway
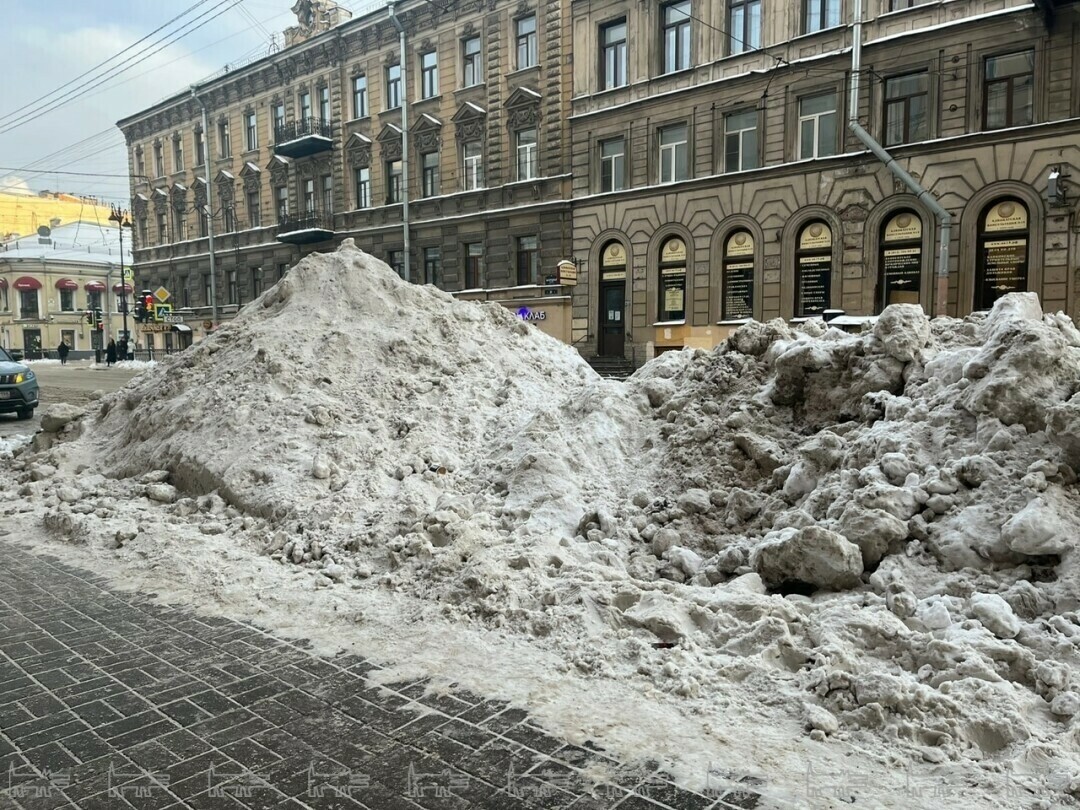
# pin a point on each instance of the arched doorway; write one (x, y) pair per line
(612, 300)
(672, 304)
(1002, 259)
(737, 283)
(900, 260)
(813, 270)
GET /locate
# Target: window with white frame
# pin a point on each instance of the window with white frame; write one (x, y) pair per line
(674, 154)
(305, 106)
(393, 87)
(744, 25)
(279, 122)
(471, 65)
(393, 182)
(324, 104)
(429, 174)
(676, 36)
(178, 153)
(432, 265)
(741, 142)
(362, 180)
(224, 144)
(360, 102)
(251, 131)
(821, 14)
(472, 169)
(429, 74)
(818, 133)
(159, 161)
(613, 54)
(527, 163)
(254, 206)
(612, 164)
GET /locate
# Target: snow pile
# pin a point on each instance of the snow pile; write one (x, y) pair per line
(868, 537)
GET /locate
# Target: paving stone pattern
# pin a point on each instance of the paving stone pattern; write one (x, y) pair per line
(108, 700)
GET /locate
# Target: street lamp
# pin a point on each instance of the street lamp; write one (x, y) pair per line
(120, 217)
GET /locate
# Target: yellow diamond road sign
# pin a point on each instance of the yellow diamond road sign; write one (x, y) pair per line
(161, 294)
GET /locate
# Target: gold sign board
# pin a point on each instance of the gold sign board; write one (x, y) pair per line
(614, 256)
(903, 228)
(815, 236)
(1007, 216)
(674, 251)
(567, 273)
(740, 244)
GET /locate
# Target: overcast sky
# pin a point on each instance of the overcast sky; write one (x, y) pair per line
(44, 49)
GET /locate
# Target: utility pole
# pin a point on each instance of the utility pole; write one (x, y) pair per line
(404, 139)
(209, 204)
(122, 221)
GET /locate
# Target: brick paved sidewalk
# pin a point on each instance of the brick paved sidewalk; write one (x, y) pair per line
(110, 701)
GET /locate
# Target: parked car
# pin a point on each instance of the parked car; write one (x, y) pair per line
(18, 387)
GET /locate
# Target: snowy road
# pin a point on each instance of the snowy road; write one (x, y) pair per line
(109, 700)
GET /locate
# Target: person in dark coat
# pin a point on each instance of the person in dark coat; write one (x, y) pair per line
(110, 353)
(63, 350)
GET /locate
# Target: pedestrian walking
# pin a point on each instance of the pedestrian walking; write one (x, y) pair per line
(124, 349)
(63, 350)
(110, 353)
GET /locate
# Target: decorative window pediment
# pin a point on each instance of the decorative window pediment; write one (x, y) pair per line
(471, 121)
(390, 141)
(279, 169)
(523, 108)
(358, 149)
(251, 175)
(178, 196)
(428, 132)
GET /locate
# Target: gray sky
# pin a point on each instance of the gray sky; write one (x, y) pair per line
(43, 50)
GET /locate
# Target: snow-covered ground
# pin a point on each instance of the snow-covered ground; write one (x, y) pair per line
(840, 563)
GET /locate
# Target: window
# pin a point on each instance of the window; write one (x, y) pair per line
(162, 228)
(178, 154)
(674, 154)
(429, 185)
(309, 196)
(813, 270)
(305, 107)
(224, 146)
(359, 96)
(1008, 99)
(472, 174)
(737, 294)
(324, 104)
(612, 165)
(393, 87)
(741, 149)
(396, 260)
(208, 290)
(432, 266)
(93, 299)
(362, 178)
(393, 182)
(254, 207)
(744, 25)
(228, 218)
(256, 282)
(67, 300)
(234, 289)
(905, 109)
(672, 305)
(676, 36)
(526, 154)
(140, 163)
(817, 126)
(251, 131)
(474, 265)
(204, 223)
(142, 231)
(279, 122)
(429, 74)
(28, 304)
(900, 260)
(528, 260)
(200, 148)
(1002, 259)
(281, 202)
(898, 5)
(179, 224)
(471, 66)
(821, 14)
(525, 37)
(159, 161)
(328, 194)
(613, 49)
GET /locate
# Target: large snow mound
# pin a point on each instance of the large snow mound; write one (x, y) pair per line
(870, 536)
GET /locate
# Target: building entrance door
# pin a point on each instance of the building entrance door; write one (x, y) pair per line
(612, 327)
(31, 343)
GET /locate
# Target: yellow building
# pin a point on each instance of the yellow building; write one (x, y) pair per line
(22, 214)
(49, 281)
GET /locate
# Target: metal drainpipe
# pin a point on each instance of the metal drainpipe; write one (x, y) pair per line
(941, 297)
(404, 141)
(209, 205)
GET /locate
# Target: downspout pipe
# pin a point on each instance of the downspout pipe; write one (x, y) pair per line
(209, 204)
(941, 297)
(404, 141)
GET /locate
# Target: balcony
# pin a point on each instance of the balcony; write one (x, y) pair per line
(298, 139)
(305, 228)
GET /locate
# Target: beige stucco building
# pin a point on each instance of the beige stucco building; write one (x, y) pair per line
(715, 177)
(306, 147)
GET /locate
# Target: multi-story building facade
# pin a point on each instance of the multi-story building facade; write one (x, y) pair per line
(715, 177)
(48, 282)
(305, 147)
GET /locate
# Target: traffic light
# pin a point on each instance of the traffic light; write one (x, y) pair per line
(89, 317)
(99, 320)
(140, 311)
(148, 306)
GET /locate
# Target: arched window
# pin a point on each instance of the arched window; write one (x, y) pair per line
(1002, 260)
(672, 280)
(900, 260)
(813, 270)
(737, 302)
